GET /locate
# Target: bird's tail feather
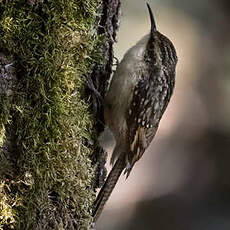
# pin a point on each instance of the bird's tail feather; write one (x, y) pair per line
(108, 187)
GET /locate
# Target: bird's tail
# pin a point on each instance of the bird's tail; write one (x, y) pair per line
(108, 187)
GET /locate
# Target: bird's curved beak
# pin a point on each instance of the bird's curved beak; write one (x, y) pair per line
(153, 24)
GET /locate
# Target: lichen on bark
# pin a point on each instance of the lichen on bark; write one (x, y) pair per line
(46, 124)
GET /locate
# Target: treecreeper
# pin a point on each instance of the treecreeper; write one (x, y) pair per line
(138, 95)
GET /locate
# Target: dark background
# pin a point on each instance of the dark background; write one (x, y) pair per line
(182, 181)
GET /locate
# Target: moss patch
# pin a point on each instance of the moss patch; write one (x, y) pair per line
(52, 44)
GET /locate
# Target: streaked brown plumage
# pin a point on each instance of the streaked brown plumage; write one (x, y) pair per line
(137, 98)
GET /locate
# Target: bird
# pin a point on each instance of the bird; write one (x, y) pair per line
(138, 95)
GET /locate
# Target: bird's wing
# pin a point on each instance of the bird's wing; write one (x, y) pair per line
(150, 99)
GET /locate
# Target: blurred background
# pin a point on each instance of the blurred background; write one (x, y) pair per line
(182, 181)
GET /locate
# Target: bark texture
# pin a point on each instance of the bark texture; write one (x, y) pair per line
(49, 119)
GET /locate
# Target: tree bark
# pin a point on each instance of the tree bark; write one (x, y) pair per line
(50, 161)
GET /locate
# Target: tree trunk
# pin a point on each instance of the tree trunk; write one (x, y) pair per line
(49, 119)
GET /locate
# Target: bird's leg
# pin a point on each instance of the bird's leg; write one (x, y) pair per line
(116, 61)
(97, 99)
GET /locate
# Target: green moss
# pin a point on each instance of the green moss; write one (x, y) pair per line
(52, 44)
(4, 116)
(7, 204)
